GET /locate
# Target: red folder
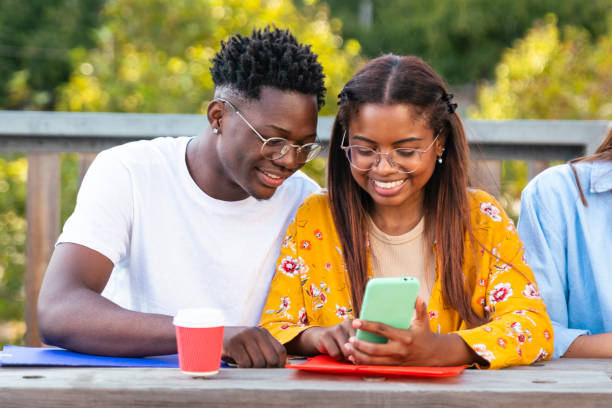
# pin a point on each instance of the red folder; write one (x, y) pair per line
(326, 364)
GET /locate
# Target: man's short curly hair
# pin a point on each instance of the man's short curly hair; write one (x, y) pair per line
(269, 57)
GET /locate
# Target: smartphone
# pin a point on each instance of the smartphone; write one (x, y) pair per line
(390, 301)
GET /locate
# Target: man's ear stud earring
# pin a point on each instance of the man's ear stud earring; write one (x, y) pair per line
(215, 131)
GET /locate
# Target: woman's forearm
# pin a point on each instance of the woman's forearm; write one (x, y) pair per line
(591, 346)
(458, 352)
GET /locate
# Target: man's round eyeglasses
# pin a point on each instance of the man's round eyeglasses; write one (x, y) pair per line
(274, 148)
(404, 159)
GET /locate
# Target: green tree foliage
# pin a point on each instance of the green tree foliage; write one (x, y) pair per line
(151, 56)
(13, 176)
(461, 39)
(13, 173)
(551, 74)
(154, 56)
(35, 38)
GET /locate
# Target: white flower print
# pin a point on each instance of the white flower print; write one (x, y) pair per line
(318, 294)
(481, 350)
(302, 317)
(525, 315)
(531, 291)
(500, 292)
(288, 243)
(516, 328)
(289, 266)
(490, 210)
(523, 337)
(341, 312)
(502, 268)
(511, 227)
(285, 303)
(496, 253)
(303, 268)
(541, 355)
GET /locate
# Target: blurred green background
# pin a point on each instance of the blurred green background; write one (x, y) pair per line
(544, 59)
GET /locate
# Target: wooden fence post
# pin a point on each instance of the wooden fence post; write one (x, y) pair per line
(43, 218)
(535, 167)
(85, 160)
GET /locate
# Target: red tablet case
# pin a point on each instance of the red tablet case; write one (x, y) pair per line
(326, 364)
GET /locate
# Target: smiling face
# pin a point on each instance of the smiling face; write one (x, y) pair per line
(276, 113)
(387, 127)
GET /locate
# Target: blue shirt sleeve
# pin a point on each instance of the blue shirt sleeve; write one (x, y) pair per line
(542, 230)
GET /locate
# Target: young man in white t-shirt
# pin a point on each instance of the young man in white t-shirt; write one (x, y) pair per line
(174, 223)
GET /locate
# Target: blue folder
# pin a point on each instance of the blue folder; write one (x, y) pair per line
(57, 357)
(18, 356)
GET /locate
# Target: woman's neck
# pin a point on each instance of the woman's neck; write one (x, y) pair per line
(397, 220)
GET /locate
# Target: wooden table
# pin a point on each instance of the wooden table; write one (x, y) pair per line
(575, 383)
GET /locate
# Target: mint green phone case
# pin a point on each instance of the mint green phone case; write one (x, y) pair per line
(390, 301)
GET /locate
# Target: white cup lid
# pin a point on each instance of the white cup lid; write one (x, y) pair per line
(199, 317)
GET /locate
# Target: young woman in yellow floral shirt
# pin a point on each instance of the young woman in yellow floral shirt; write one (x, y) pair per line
(399, 205)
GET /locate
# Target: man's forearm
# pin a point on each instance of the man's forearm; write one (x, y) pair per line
(86, 322)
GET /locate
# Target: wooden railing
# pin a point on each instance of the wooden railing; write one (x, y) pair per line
(42, 136)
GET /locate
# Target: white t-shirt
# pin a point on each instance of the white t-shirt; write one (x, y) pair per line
(172, 245)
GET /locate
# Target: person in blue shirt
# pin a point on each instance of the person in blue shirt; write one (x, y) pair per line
(566, 225)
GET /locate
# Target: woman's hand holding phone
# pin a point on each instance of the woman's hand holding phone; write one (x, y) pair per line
(417, 346)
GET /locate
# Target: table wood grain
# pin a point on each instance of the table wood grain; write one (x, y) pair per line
(574, 383)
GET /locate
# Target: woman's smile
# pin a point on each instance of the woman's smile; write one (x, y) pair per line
(388, 188)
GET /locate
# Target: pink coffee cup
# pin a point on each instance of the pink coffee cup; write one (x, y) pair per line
(199, 339)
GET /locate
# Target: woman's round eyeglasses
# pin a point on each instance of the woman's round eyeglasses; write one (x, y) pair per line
(274, 148)
(404, 159)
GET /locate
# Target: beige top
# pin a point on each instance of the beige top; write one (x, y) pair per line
(402, 255)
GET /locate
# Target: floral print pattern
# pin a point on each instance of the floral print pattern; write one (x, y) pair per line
(318, 295)
(342, 312)
(302, 317)
(503, 287)
(542, 355)
(481, 350)
(491, 210)
(289, 266)
(500, 293)
(531, 291)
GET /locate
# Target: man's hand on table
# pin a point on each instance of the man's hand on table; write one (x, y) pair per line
(252, 347)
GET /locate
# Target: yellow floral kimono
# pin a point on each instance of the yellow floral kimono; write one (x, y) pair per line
(310, 288)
